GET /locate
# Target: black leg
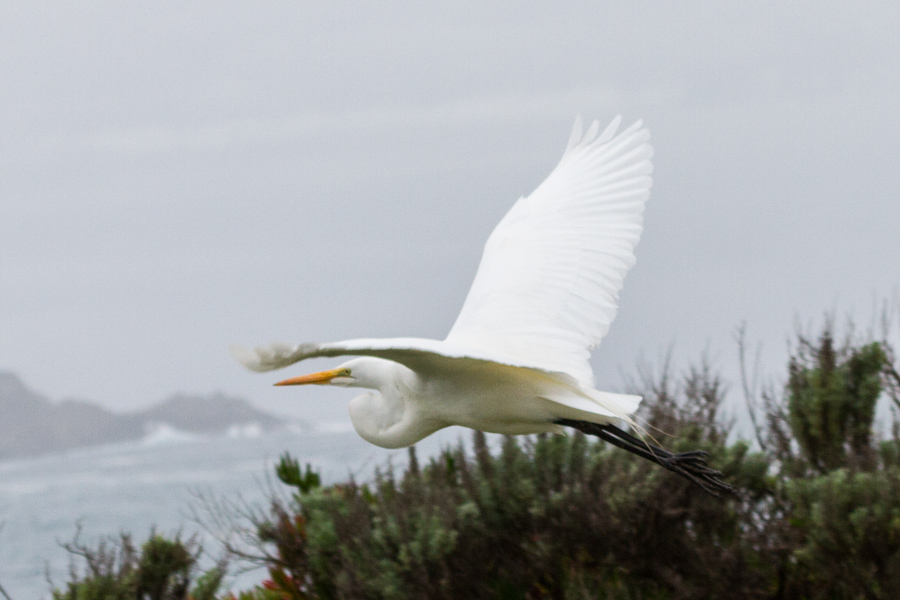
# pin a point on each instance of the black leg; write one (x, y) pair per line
(690, 465)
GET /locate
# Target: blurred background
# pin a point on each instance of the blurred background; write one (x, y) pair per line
(176, 177)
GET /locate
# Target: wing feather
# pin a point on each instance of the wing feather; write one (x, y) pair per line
(419, 354)
(547, 287)
(424, 356)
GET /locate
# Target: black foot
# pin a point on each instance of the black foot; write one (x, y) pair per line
(691, 465)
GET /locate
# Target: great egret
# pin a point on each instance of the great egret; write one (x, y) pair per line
(516, 360)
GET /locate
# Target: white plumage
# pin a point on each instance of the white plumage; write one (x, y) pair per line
(517, 358)
(547, 287)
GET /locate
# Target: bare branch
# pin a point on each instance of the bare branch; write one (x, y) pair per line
(3, 591)
(750, 384)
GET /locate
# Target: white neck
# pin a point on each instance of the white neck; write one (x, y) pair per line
(390, 416)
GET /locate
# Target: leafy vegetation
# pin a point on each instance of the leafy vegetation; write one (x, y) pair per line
(162, 569)
(816, 515)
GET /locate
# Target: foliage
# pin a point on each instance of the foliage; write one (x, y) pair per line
(831, 402)
(546, 516)
(162, 569)
(835, 511)
(816, 515)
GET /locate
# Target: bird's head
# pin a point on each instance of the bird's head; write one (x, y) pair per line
(360, 372)
(387, 416)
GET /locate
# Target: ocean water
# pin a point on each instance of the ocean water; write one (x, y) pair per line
(154, 482)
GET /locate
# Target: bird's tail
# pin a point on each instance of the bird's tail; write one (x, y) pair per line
(621, 406)
(605, 406)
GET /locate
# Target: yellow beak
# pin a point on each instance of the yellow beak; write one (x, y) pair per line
(320, 378)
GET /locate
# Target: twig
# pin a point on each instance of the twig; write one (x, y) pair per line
(750, 386)
(3, 591)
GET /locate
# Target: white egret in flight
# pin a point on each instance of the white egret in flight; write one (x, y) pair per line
(516, 360)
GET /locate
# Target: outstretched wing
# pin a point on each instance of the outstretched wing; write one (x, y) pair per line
(546, 290)
(432, 356)
(419, 354)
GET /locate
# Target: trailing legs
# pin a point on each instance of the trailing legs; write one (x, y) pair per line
(691, 465)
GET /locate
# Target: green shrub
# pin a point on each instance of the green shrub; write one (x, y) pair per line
(162, 569)
(816, 514)
(546, 516)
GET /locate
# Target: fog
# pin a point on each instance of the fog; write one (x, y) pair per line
(176, 177)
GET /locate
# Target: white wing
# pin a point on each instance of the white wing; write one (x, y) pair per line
(547, 287)
(419, 354)
(424, 356)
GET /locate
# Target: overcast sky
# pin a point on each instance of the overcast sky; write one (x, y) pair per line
(179, 176)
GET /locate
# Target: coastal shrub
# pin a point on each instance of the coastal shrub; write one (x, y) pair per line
(545, 516)
(816, 513)
(163, 568)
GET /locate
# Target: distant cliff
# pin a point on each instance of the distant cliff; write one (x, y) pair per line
(30, 424)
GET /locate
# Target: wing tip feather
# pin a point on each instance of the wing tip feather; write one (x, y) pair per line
(250, 359)
(575, 136)
(274, 356)
(635, 134)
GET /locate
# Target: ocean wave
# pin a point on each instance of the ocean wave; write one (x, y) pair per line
(163, 434)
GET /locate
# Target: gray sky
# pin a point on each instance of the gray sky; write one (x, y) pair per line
(178, 176)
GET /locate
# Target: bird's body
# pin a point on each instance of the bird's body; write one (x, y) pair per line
(510, 400)
(418, 386)
(517, 359)
(411, 404)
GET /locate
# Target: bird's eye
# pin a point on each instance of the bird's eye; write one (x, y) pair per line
(344, 373)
